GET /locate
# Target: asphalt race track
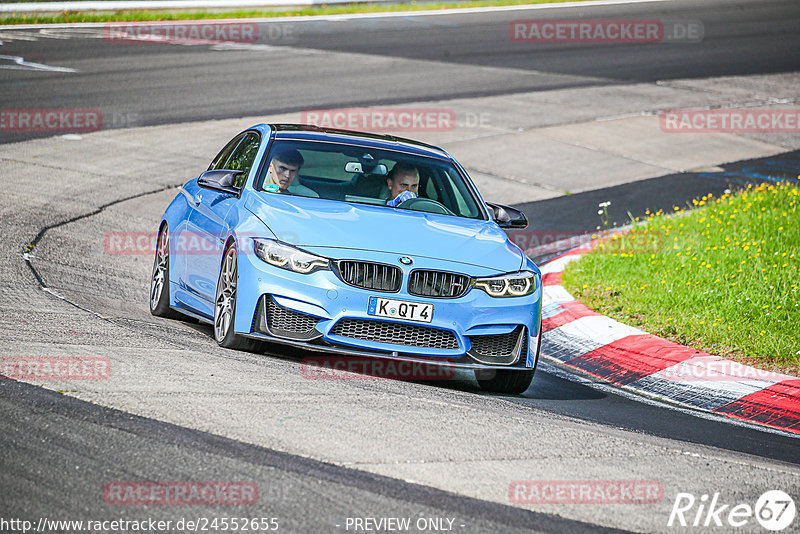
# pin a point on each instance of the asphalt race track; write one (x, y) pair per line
(336, 63)
(323, 453)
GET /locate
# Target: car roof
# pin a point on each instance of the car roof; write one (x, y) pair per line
(305, 132)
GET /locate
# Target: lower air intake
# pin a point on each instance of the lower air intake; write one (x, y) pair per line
(408, 335)
(499, 348)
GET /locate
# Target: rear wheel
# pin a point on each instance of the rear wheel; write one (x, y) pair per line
(505, 380)
(159, 282)
(225, 305)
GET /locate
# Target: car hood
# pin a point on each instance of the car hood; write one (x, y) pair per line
(309, 222)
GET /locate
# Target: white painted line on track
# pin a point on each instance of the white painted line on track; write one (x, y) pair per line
(19, 63)
(355, 16)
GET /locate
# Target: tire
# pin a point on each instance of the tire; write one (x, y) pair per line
(159, 281)
(505, 380)
(225, 305)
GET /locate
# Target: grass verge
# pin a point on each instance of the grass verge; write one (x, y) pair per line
(164, 15)
(722, 277)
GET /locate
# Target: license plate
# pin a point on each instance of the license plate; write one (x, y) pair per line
(400, 309)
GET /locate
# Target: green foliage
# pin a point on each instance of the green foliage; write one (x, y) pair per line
(722, 277)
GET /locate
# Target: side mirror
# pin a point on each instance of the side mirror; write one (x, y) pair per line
(507, 217)
(221, 180)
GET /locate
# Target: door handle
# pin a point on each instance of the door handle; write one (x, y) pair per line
(197, 199)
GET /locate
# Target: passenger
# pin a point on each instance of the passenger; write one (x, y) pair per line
(403, 183)
(283, 169)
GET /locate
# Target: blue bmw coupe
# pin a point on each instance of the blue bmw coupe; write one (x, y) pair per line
(352, 244)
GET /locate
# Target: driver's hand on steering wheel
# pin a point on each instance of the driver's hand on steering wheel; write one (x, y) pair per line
(402, 197)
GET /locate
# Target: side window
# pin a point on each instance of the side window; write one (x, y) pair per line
(458, 190)
(222, 157)
(430, 190)
(449, 191)
(242, 158)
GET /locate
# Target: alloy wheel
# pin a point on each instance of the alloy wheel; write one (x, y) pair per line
(226, 296)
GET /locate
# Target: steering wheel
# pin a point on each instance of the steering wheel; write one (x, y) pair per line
(427, 205)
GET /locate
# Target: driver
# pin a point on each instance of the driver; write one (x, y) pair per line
(403, 183)
(283, 169)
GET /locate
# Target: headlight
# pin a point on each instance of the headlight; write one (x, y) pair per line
(508, 285)
(288, 257)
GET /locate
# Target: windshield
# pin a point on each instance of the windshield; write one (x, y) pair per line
(365, 175)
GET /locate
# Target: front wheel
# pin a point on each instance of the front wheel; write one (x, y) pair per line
(225, 305)
(159, 281)
(505, 380)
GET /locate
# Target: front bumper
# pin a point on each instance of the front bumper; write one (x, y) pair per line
(319, 312)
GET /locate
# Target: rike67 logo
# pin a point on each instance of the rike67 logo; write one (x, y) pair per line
(774, 510)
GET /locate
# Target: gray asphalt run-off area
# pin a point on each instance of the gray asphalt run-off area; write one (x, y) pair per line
(67, 193)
